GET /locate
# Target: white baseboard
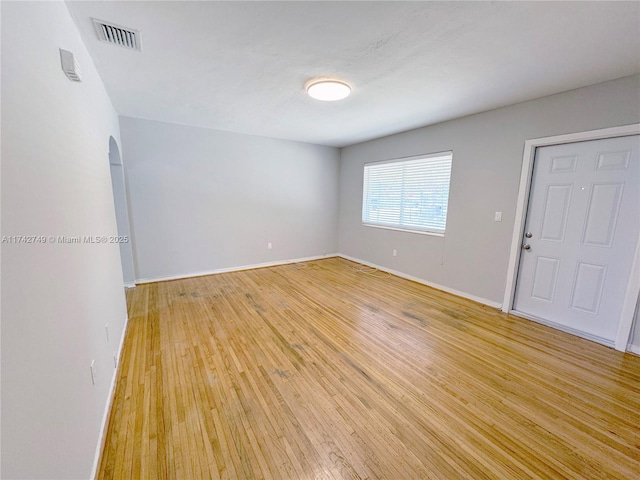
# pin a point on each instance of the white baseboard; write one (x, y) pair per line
(484, 301)
(633, 349)
(129, 285)
(107, 410)
(233, 269)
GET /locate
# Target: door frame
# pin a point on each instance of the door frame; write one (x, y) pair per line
(526, 176)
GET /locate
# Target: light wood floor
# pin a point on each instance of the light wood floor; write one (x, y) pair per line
(326, 373)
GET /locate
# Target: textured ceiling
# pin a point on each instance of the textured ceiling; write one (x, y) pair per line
(241, 66)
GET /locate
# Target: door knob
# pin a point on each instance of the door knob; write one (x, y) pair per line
(526, 246)
(528, 234)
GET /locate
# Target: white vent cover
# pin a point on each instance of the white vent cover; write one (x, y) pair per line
(70, 66)
(117, 35)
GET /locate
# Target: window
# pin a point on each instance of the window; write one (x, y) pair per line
(408, 194)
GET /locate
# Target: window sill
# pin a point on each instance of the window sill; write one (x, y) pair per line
(406, 230)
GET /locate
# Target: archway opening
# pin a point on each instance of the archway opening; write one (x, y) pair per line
(122, 213)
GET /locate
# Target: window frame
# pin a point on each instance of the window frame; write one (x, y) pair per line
(400, 228)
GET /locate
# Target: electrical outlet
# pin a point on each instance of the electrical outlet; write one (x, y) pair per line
(92, 367)
(498, 217)
(269, 246)
(395, 252)
(106, 327)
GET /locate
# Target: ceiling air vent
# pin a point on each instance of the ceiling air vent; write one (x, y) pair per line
(117, 35)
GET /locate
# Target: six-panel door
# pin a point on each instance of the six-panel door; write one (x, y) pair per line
(581, 233)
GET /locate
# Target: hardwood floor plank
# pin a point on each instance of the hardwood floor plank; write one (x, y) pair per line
(328, 370)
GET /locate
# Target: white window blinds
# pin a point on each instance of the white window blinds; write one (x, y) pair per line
(408, 194)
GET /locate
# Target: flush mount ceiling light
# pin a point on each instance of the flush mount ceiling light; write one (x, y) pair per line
(328, 90)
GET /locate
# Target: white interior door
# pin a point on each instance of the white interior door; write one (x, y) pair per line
(581, 231)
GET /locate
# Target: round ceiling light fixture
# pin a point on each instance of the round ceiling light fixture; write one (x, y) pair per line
(328, 90)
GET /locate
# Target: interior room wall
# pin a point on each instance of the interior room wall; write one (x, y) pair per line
(57, 298)
(203, 200)
(487, 148)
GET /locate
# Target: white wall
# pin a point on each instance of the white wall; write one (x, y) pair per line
(56, 299)
(203, 200)
(487, 159)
